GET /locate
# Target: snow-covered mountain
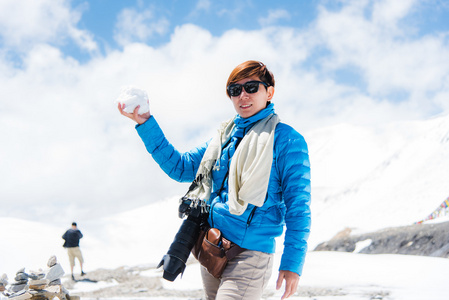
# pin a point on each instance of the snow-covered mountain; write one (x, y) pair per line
(367, 179)
(362, 178)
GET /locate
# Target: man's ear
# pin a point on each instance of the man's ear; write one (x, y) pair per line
(270, 93)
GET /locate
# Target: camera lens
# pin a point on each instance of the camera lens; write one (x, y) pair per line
(174, 261)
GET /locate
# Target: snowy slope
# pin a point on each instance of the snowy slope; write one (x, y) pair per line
(362, 178)
(368, 179)
(140, 236)
(348, 276)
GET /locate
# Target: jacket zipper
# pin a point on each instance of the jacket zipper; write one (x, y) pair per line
(211, 212)
(250, 217)
(251, 214)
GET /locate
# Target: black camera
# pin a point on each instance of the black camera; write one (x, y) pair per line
(174, 262)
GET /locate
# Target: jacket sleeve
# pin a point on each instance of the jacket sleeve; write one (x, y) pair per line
(294, 167)
(181, 167)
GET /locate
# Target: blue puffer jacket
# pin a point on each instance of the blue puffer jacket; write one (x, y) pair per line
(287, 202)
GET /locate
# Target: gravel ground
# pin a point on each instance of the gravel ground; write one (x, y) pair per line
(130, 284)
(420, 239)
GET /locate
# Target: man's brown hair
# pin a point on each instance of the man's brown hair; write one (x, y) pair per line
(250, 68)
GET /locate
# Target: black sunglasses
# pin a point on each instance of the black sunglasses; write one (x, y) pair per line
(250, 87)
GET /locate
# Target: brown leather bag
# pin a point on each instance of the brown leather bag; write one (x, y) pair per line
(214, 251)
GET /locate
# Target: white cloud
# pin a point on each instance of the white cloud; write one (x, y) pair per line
(200, 7)
(387, 13)
(138, 26)
(63, 140)
(390, 61)
(203, 5)
(27, 23)
(274, 16)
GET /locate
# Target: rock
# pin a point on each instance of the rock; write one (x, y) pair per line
(21, 281)
(46, 295)
(56, 289)
(38, 295)
(23, 295)
(17, 287)
(52, 261)
(4, 280)
(36, 275)
(55, 282)
(21, 277)
(54, 273)
(417, 239)
(38, 284)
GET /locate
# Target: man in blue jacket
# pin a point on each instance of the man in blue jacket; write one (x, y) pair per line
(257, 180)
(72, 242)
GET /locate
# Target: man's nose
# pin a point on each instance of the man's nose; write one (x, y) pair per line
(244, 94)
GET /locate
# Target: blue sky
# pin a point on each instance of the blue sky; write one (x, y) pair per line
(62, 64)
(100, 17)
(153, 23)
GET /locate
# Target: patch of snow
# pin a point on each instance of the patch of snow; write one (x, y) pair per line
(359, 246)
(82, 286)
(190, 280)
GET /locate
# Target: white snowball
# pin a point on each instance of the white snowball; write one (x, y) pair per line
(131, 97)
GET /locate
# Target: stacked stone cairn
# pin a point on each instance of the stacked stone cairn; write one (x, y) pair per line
(3, 282)
(36, 285)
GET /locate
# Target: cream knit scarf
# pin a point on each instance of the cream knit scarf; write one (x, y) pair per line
(250, 168)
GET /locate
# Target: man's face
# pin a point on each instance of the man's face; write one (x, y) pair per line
(247, 105)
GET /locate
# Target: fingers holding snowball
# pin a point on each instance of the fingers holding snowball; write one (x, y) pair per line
(134, 104)
(121, 108)
(140, 118)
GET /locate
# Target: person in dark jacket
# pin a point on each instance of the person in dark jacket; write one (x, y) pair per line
(72, 242)
(256, 181)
